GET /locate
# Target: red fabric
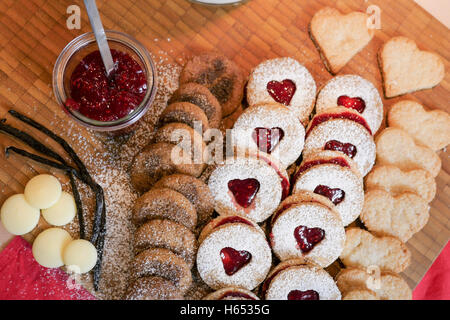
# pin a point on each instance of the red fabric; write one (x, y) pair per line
(22, 278)
(435, 285)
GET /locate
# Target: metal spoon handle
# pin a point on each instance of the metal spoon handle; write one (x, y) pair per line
(100, 36)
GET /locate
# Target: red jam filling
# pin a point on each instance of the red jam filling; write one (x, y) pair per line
(342, 115)
(236, 294)
(244, 191)
(97, 97)
(267, 139)
(233, 219)
(335, 195)
(303, 295)
(282, 92)
(355, 103)
(307, 165)
(307, 238)
(347, 148)
(233, 260)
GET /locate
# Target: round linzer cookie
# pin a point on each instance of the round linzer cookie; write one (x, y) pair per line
(220, 75)
(164, 203)
(234, 254)
(344, 130)
(187, 113)
(163, 263)
(270, 128)
(353, 92)
(296, 280)
(286, 81)
(195, 190)
(200, 96)
(231, 293)
(307, 226)
(164, 233)
(153, 288)
(335, 176)
(251, 186)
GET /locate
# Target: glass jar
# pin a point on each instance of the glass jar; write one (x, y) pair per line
(79, 48)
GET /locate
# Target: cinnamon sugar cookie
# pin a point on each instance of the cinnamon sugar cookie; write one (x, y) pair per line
(153, 288)
(187, 113)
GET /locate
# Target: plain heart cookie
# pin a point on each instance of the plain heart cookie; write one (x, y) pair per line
(400, 216)
(405, 68)
(429, 128)
(339, 37)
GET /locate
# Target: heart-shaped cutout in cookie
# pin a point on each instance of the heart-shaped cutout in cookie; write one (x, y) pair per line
(282, 92)
(307, 238)
(349, 149)
(355, 103)
(406, 69)
(267, 139)
(244, 191)
(335, 195)
(233, 260)
(339, 37)
(303, 295)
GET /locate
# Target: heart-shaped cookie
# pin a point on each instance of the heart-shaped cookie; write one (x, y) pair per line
(307, 238)
(429, 128)
(282, 91)
(267, 139)
(339, 37)
(233, 260)
(244, 191)
(405, 68)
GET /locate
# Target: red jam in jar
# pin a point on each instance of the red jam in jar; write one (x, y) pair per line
(97, 97)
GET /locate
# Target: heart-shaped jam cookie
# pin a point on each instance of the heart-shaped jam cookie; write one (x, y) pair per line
(267, 139)
(347, 148)
(307, 238)
(355, 103)
(233, 260)
(244, 191)
(303, 295)
(282, 92)
(335, 195)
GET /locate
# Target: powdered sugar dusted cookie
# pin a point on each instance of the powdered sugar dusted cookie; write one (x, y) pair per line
(353, 92)
(339, 37)
(234, 253)
(231, 293)
(307, 226)
(344, 130)
(286, 81)
(396, 181)
(400, 216)
(396, 147)
(362, 249)
(296, 280)
(428, 128)
(270, 128)
(405, 68)
(153, 288)
(333, 175)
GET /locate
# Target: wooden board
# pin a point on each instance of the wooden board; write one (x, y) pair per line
(33, 32)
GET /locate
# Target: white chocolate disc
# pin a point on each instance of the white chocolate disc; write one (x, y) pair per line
(62, 212)
(80, 255)
(48, 247)
(17, 216)
(42, 191)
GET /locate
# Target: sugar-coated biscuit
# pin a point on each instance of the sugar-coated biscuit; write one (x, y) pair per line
(362, 249)
(396, 181)
(396, 147)
(153, 288)
(339, 37)
(400, 216)
(187, 113)
(231, 293)
(383, 286)
(405, 68)
(428, 128)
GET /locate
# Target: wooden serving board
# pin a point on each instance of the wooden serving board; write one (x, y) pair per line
(33, 33)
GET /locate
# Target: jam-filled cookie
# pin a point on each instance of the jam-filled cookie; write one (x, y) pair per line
(251, 186)
(344, 130)
(307, 226)
(220, 75)
(333, 175)
(353, 92)
(200, 96)
(187, 113)
(234, 253)
(286, 81)
(296, 280)
(153, 288)
(231, 293)
(270, 128)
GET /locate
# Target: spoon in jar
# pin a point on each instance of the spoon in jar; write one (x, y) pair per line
(100, 36)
